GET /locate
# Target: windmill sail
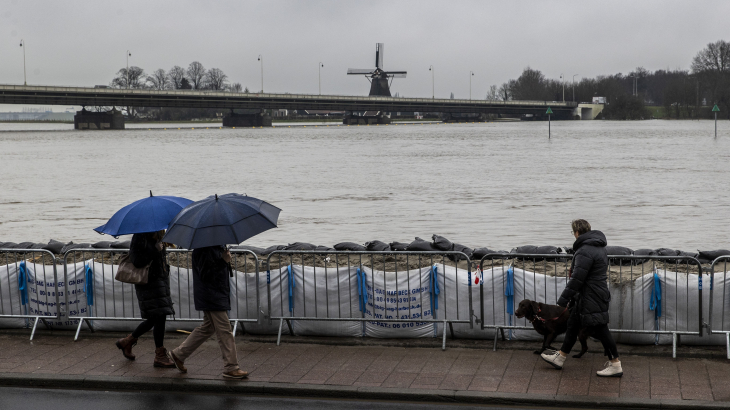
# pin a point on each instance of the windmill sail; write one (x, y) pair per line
(359, 71)
(379, 50)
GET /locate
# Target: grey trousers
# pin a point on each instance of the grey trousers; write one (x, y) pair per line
(214, 322)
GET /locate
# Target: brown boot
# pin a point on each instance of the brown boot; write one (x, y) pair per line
(235, 374)
(161, 359)
(178, 363)
(126, 345)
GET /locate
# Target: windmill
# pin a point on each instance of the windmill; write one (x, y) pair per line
(379, 78)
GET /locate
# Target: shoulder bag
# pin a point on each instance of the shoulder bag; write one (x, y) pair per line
(128, 273)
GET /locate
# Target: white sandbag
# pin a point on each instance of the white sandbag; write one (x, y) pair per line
(454, 301)
(10, 298)
(325, 293)
(405, 295)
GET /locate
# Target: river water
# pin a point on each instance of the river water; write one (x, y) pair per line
(644, 183)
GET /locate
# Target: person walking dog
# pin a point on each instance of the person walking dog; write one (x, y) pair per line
(212, 295)
(154, 298)
(588, 295)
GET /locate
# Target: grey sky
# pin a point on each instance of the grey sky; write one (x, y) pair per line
(84, 42)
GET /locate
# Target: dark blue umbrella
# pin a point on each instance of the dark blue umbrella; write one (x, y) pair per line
(221, 220)
(146, 215)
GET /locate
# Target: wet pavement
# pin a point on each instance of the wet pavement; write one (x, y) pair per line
(458, 369)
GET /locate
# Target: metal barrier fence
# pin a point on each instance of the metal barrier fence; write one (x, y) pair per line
(34, 292)
(543, 277)
(405, 287)
(713, 329)
(117, 301)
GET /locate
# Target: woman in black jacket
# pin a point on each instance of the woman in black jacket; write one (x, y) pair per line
(588, 295)
(154, 298)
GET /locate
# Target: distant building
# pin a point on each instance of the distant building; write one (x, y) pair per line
(599, 100)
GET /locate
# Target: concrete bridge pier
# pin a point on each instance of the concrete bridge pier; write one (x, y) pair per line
(92, 120)
(464, 117)
(367, 118)
(247, 118)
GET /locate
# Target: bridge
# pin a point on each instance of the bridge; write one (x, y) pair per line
(111, 97)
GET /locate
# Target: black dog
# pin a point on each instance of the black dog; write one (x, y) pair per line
(550, 321)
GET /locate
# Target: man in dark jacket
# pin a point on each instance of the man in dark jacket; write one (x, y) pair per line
(588, 297)
(212, 294)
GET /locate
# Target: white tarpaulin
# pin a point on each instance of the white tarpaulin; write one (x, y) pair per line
(372, 294)
(401, 295)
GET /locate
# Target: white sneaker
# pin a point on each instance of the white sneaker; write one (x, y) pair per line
(555, 359)
(611, 370)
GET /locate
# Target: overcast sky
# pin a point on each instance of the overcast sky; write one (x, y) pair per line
(84, 42)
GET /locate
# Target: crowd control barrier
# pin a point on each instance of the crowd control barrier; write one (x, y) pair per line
(29, 287)
(651, 296)
(368, 293)
(719, 322)
(90, 272)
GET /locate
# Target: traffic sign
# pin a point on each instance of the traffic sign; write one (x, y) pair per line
(549, 111)
(714, 109)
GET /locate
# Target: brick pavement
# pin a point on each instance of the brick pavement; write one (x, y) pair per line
(456, 369)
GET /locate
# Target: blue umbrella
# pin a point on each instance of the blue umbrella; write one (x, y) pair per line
(221, 220)
(146, 215)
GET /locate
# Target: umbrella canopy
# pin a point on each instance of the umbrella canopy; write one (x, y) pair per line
(146, 215)
(221, 220)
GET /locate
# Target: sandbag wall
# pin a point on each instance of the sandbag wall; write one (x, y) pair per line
(434, 292)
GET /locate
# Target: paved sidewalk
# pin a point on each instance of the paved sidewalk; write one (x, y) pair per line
(421, 373)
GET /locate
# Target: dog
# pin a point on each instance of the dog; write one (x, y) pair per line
(550, 321)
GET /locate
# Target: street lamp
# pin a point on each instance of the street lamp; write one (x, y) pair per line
(633, 85)
(22, 44)
(128, 55)
(320, 77)
(470, 76)
(574, 87)
(433, 92)
(262, 73)
(562, 81)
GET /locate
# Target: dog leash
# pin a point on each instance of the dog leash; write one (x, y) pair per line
(543, 320)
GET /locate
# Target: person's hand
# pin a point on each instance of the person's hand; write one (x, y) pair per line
(227, 256)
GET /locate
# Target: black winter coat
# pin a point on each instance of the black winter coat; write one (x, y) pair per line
(154, 296)
(211, 283)
(588, 284)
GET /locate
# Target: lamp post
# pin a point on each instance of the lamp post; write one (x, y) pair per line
(262, 73)
(633, 85)
(562, 81)
(128, 55)
(319, 67)
(22, 44)
(574, 87)
(433, 92)
(470, 76)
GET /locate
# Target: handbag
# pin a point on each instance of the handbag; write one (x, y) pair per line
(128, 273)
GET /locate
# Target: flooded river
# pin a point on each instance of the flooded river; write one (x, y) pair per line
(645, 184)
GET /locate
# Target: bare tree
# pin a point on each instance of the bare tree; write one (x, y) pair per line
(176, 76)
(235, 88)
(159, 80)
(245, 90)
(134, 79)
(530, 85)
(505, 91)
(713, 58)
(196, 75)
(215, 79)
(493, 93)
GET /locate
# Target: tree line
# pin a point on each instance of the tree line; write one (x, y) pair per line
(195, 77)
(681, 93)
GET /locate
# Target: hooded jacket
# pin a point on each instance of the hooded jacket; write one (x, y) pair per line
(588, 284)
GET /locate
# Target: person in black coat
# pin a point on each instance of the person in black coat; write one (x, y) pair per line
(155, 303)
(212, 294)
(588, 298)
